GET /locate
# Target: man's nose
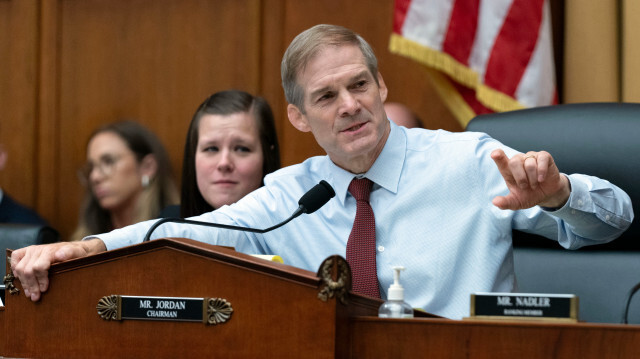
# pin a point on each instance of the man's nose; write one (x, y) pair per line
(349, 104)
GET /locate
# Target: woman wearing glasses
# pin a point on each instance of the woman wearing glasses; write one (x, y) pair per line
(128, 179)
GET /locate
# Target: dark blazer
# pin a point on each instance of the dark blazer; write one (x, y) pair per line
(172, 211)
(13, 212)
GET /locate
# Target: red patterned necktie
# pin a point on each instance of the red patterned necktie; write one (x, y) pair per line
(361, 247)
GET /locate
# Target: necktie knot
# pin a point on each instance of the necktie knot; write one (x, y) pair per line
(360, 188)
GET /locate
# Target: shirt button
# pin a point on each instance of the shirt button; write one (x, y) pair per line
(380, 248)
(607, 217)
(573, 211)
(579, 202)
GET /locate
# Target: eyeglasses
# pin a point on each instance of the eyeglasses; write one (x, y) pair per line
(105, 167)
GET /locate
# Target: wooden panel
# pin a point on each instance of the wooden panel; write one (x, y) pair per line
(276, 309)
(49, 199)
(591, 64)
(630, 51)
(273, 47)
(437, 338)
(151, 61)
(18, 83)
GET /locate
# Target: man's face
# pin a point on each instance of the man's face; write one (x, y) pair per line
(344, 107)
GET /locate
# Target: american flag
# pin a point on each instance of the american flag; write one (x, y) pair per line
(484, 56)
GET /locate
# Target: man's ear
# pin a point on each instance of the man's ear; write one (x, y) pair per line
(149, 166)
(383, 88)
(297, 119)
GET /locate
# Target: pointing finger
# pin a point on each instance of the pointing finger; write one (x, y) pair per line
(502, 162)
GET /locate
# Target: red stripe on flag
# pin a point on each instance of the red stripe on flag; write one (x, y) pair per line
(462, 28)
(399, 15)
(514, 45)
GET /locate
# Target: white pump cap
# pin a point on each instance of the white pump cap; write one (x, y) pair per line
(396, 292)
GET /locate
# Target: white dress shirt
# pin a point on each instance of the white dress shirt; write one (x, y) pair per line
(432, 205)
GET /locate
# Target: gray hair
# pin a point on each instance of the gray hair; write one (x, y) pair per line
(306, 45)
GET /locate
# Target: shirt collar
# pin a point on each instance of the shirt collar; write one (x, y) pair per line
(385, 171)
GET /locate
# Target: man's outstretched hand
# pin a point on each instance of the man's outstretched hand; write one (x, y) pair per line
(533, 179)
(31, 264)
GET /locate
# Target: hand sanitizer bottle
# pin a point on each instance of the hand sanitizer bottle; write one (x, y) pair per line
(395, 306)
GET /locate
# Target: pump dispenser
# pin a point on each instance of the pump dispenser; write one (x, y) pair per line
(395, 306)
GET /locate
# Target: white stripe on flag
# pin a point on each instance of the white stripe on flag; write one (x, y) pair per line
(424, 22)
(537, 86)
(491, 16)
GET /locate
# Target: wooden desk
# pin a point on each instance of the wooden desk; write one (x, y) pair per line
(277, 312)
(373, 337)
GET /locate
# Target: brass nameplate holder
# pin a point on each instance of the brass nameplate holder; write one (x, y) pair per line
(336, 277)
(205, 310)
(8, 282)
(524, 306)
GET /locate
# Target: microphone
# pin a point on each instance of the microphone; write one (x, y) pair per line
(310, 202)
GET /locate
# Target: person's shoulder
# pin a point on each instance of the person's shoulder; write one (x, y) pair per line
(299, 178)
(446, 136)
(172, 211)
(419, 138)
(308, 168)
(14, 212)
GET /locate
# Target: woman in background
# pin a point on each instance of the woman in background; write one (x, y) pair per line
(231, 145)
(128, 179)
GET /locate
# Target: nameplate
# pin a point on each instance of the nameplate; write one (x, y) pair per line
(206, 310)
(524, 306)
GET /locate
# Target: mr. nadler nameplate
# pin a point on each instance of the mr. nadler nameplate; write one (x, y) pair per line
(207, 310)
(524, 305)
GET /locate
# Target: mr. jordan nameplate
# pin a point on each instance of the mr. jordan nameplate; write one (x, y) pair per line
(524, 305)
(206, 310)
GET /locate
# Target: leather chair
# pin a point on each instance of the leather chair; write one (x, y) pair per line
(600, 139)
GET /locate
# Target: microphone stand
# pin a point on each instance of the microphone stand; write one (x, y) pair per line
(160, 222)
(310, 202)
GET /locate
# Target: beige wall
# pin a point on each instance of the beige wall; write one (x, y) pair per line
(631, 51)
(602, 51)
(591, 51)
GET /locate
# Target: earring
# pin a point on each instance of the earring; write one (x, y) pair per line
(145, 181)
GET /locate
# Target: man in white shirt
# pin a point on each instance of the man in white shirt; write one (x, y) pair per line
(444, 203)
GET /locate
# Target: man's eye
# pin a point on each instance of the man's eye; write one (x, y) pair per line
(325, 97)
(360, 84)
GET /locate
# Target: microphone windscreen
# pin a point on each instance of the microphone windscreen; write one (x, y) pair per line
(316, 197)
